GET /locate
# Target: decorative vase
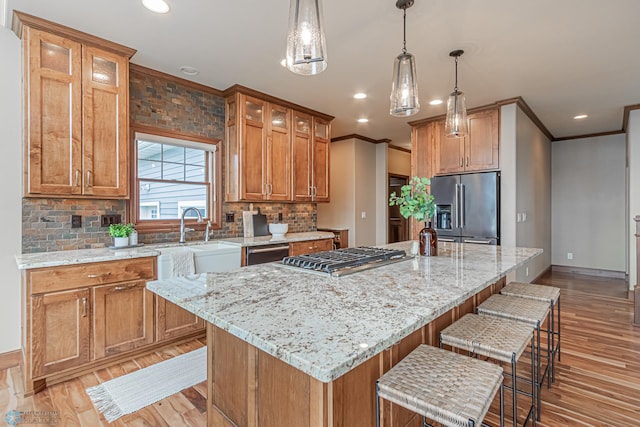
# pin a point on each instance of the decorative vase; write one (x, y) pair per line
(428, 241)
(120, 241)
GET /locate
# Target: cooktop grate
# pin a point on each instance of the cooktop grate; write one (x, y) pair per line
(340, 261)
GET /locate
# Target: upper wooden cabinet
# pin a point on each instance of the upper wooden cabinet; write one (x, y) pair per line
(276, 151)
(311, 148)
(259, 153)
(76, 112)
(478, 151)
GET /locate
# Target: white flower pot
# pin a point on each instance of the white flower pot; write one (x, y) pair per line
(120, 241)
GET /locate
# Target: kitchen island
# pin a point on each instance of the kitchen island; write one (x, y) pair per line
(296, 348)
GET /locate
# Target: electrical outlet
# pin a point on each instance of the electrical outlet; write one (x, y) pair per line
(107, 220)
(279, 216)
(76, 221)
(363, 215)
(518, 217)
(229, 217)
(569, 255)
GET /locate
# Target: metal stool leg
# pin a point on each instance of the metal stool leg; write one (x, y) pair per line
(377, 407)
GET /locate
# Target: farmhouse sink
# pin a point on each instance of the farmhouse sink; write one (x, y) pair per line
(210, 257)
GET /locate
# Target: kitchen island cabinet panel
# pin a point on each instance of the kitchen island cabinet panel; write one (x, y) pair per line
(60, 331)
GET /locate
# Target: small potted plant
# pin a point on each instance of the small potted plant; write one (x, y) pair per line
(415, 201)
(120, 234)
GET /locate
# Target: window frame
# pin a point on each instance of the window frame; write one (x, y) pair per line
(214, 193)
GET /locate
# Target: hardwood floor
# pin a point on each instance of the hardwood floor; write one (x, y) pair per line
(597, 380)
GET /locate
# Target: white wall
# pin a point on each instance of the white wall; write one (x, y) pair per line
(589, 218)
(382, 188)
(10, 193)
(633, 161)
(525, 187)
(533, 195)
(358, 184)
(338, 213)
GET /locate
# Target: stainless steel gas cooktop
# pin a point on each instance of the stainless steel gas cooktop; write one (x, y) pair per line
(340, 262)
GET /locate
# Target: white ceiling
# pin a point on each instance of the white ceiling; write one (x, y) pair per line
(564, 57)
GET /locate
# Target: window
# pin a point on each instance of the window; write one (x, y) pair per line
(171, 175)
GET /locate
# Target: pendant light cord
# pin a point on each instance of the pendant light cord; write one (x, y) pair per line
(456, 88)
(404, 31)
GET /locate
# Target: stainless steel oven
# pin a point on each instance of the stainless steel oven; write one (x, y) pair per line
(266, 253)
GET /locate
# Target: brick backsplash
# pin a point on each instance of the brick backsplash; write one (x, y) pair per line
(166, 104)
(46, 224)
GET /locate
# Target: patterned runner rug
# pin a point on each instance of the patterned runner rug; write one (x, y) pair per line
(128, 393)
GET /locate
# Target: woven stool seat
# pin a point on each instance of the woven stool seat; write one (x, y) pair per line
(529, 311)
(500, 339)
(548, 294)
(443, 386)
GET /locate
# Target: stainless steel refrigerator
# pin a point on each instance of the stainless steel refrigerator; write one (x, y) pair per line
(467, 207)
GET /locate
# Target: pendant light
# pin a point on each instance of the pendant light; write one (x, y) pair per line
(456, 122)
(306, 48)
(404, 86)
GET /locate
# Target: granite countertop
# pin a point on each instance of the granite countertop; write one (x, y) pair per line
(81, 256)
(268, 240)
(326, 326)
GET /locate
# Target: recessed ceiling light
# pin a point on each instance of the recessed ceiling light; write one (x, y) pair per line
(283, 62)
(360, 95)
(157, 6)
(189, 71)
(363, 120)
(580, 116)
(436, 102)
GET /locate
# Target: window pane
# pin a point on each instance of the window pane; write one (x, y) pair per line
(55, 57)
(194, 173)
(172, 171)
(194, 157)
(105, 71)
(149, 169)
(171, 199)
(171, 153)
(149, 150)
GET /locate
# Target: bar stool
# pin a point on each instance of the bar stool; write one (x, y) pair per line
(443, 386)
(499, 339)
(524, 310)
(550, 295)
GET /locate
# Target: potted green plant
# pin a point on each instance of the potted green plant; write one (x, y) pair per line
(416, 201)
(120, 234)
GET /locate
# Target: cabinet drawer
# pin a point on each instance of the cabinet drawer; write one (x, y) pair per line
(310, 246)
(82, 275)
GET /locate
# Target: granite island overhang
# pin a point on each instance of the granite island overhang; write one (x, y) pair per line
(320, 331)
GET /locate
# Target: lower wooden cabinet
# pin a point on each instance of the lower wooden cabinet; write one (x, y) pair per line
(82, 317)
(173, 321)
(60, 331)
(122, 318)
(310, 246)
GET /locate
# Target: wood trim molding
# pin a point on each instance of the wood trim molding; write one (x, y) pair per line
(395, 147)
(589, 271)
(361, 138)
(589, 135)
(625, 117)
(10, 359)
(174, 79)
(442, 116)
(21, 19)
(270, 98)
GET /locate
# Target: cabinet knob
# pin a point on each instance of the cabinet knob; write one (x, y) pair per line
(84, 307)
(77, 177)
(95, 276)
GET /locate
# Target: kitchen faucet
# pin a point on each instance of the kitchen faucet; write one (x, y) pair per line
(182, 229)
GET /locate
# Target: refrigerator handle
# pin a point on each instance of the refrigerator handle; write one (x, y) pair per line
(463, 219)
(456, 222)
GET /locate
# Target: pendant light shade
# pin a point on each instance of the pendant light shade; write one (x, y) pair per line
(404, 86)
(456, 122)
(306, 47)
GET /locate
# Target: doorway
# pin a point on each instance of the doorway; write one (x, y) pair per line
(398, 225)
